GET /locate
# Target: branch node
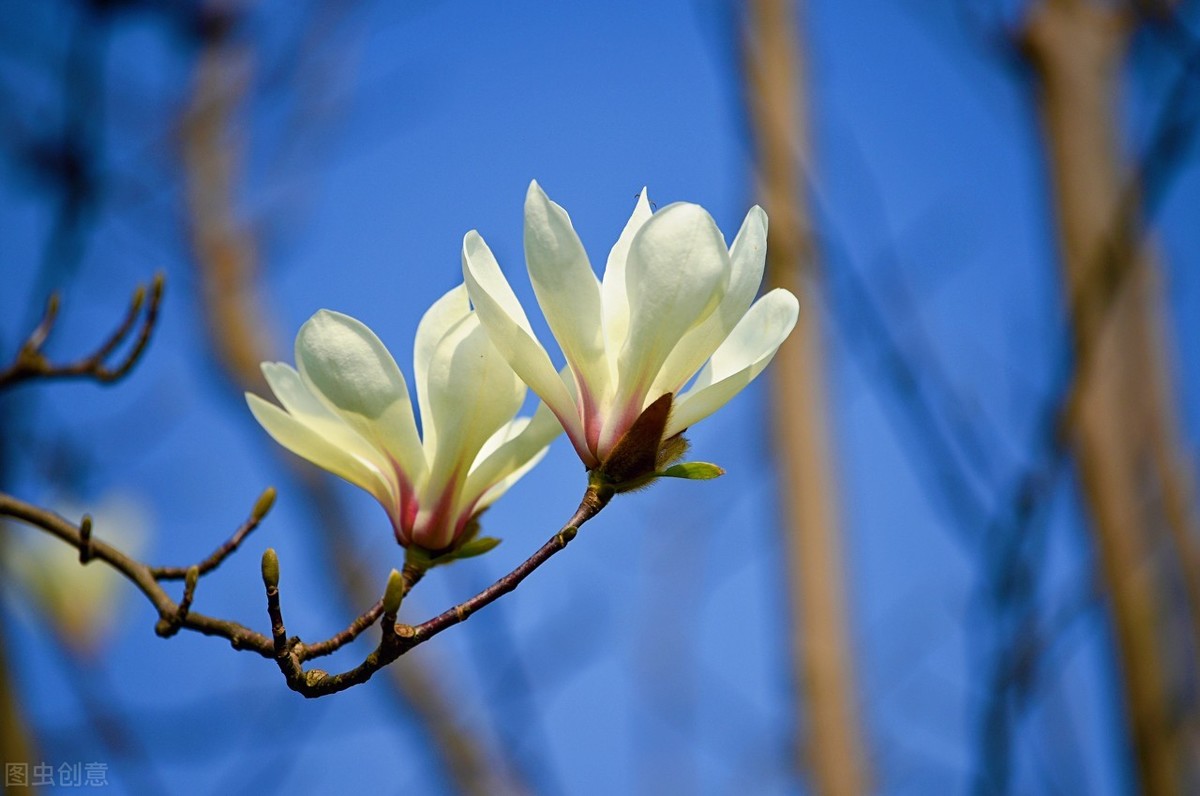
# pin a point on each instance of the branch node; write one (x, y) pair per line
(85, 539)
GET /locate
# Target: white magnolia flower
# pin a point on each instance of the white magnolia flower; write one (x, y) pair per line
(82, 602)
(674, 300)
(347, 409)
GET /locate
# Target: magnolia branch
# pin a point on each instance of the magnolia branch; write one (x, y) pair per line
(290, 653)
(32, 363)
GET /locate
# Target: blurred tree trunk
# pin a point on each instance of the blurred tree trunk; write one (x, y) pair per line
(830, 737)
(16, 745)
(1124, 422)
(236, 314)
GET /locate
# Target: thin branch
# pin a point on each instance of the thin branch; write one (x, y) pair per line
(412, 575)
(32, 363)
(395, 640)
(291, 653)
(265, 501)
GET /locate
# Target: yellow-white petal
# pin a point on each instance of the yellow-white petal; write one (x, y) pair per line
(437, 321)
(325, 453)
(472, 394)
(349, 369)
(500, 313)
(510, 453)
(302, 405)
(675, 276)
(616, 304)
(567, 289)
(747, 258)
(743, 355)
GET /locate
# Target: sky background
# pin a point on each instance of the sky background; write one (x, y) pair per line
(651, 657)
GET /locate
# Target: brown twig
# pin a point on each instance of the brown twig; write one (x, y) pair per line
(32, 363)
(265, 501)
(141, 575)
(395, 640)
(291, 653)
(411, 576)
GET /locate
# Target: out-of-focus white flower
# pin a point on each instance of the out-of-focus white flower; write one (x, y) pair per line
(346, 408)
(82, 601)
(674, 300)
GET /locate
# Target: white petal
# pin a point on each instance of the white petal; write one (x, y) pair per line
(676, 274)
(500, 313)
(346, 366)
(472, 393)
(566, 287)
(743, 355)
(499, 488)
(307, 410)
(616, 304)
(747, 258)
(327, 454)
(511, 450)
(435, 323)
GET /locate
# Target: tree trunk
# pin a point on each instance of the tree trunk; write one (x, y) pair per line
(1124, 426)
(830, 745)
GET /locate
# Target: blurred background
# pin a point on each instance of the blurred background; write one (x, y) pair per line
(957, 549)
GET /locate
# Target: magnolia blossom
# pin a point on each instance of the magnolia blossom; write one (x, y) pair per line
(346, 408)
(674, 300)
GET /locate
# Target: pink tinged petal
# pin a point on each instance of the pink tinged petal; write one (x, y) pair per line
(747, 258)
(748, 349)
(439, 319)
(435, 526)
(676, 275)
(354, 465)
(498, 310)
(346, 366)
(616, 304)
(566, 287)
(472, 394)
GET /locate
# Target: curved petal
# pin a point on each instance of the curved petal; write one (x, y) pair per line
(511, 450)
(472, 394)
(347, 367)
(500, 313)
(743, 355)
(676, 275)
(504, 484)
(566, 287)
(309, 444)
(435, 323)
(615, 303)
(747, 258)
(302, 405)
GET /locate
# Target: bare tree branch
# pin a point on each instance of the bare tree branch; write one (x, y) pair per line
(32, 363)
(291, 653)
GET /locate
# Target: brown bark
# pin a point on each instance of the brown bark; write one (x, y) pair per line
(1124, 424)
(831, 746)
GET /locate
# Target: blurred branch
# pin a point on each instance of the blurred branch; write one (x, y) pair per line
(1119, 416)
(824, 664)
(32, 363)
